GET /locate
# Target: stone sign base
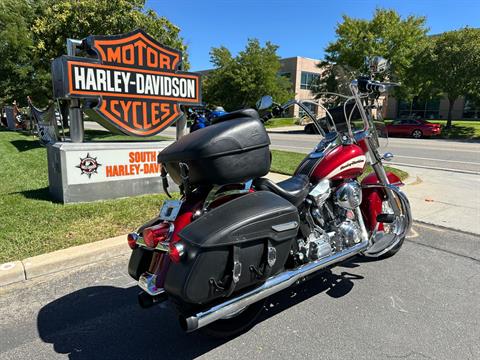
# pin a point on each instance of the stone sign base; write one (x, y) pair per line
(81, 172)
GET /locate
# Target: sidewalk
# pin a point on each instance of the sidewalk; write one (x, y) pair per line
(443, 198)
(276, 177)
(287, 129)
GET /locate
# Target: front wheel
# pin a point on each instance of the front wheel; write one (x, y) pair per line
(389, 240)
(384, 255)
(235, 324)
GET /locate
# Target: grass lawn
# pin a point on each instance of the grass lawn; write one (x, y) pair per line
(280, 122)
(460, 129)
(30, 224)
(285, 162)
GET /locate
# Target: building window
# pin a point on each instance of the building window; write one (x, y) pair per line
(471, 109)
(419, 108)
(286, 75)
(308, 80)
(311, 107)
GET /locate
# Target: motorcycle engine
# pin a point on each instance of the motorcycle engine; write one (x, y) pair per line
(333, 225)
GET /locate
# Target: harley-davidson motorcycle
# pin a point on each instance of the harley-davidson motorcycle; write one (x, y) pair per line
(235, 237)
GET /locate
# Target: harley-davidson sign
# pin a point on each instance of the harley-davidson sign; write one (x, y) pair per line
(135, 79)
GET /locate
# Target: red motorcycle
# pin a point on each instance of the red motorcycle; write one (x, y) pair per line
(235, 238)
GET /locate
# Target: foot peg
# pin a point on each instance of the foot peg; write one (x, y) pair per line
(386, 218)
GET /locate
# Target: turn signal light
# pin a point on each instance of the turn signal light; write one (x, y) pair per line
(155, 234)
(132, 240)
(176, 252)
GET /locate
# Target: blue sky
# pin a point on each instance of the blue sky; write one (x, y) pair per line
(299, 28)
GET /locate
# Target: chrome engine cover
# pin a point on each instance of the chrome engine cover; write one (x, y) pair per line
(350, 232)
(349, 195)
(321, 192)
(334, 223)
(319, 247)
(316, 246)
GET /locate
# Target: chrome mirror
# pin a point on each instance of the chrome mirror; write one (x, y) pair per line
(388, 156)
(265, 102)
(377, 64)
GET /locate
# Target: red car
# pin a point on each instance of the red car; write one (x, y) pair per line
(414, 128)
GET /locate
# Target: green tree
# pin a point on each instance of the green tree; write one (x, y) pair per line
(387, 34)
(16, 68)
(450, 66)
(36, 32)
(239, 81)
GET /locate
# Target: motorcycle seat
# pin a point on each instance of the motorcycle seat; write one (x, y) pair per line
(294, 189)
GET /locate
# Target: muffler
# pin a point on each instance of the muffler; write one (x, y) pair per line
(271, 286)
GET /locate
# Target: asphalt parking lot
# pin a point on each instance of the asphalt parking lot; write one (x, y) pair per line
(423, 303)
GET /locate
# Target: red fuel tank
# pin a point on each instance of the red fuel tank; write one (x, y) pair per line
(342, 162)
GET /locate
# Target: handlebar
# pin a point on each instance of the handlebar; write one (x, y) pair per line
(361, 85)
(366, 85)
(376, 87)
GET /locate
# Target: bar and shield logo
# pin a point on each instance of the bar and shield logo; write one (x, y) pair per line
(135, 79)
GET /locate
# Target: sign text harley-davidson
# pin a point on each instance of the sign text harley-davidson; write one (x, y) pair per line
(134, 78)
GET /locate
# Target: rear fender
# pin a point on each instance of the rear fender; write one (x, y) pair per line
(373, 197)
(160, 265)
(155, 262)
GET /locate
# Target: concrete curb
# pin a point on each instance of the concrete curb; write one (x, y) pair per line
(11, 272)
(466, 232)
(60, 260)
(412, 180)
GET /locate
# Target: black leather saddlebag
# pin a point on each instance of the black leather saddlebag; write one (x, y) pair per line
(234, 246)
(227, 152)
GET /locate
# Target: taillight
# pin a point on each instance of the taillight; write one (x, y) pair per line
(176, 251)
(132, 240)
(155, 234)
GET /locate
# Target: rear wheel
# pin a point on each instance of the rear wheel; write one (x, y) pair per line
(417, 134)
(235, 324)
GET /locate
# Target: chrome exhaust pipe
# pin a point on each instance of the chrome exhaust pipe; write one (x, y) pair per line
(271, 286)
